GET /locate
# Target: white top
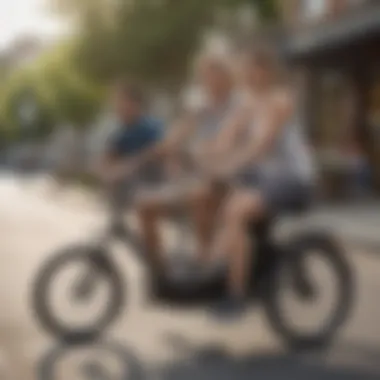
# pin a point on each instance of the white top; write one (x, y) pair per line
(290, 155)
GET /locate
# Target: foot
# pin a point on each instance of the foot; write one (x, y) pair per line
(230, 309)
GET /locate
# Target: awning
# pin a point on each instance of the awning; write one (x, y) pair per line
(349, 29)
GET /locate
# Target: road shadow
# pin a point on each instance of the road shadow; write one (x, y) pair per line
(212, 364)
(217, 363)
(209, 363)
(97, 361)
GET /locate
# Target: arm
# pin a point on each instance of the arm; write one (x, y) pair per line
(229, 134)
(104, 165)
(225, 140)
(180, 132)
(113, 163)
(276, 115)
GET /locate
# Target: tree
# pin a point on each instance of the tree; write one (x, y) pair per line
(59, 92)
(152, 40)
(16, 89)
(70, 96)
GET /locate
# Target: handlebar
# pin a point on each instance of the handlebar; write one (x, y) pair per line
(125, 190)
(201, 170)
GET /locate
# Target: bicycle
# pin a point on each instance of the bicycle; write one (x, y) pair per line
(277, 265)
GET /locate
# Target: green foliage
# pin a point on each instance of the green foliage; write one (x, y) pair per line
(152, 40)
(61, 95)
(70, 96)
(267, 9)
(15, 89)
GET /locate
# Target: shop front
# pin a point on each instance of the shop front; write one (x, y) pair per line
(340, 62)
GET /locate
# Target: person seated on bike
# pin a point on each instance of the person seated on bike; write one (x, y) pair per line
(197, 127)
(133, 143)
(272, 167)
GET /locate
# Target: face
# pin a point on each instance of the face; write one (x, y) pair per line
(127, 109)
(255, 74)
(214, 79)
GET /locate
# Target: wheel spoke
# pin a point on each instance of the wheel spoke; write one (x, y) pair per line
(73, 298)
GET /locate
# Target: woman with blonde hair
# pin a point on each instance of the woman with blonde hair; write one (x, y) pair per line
(198, 127)
(272, 165)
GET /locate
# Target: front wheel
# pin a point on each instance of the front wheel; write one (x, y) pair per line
(77, 294)
(314, 267)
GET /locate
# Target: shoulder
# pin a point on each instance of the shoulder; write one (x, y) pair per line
(118, 133)
(150, 122)
(153, 126)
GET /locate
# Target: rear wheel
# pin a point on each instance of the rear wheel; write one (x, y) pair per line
(78, 293)
(312, 270)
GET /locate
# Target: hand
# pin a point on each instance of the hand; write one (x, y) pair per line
(204, 158)
(118, 172)
(222, 171)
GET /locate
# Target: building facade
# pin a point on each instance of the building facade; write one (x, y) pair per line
(335, 46)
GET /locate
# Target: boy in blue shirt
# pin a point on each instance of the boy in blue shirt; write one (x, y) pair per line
(134, 143)
(136, 137)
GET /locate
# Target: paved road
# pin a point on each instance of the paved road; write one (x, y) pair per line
(167, 344)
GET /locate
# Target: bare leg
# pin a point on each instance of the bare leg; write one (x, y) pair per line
(204, 207)
(241, 207)
(149, 217)
(203, 203)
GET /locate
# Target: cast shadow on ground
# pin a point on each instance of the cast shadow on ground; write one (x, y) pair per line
(215, 363)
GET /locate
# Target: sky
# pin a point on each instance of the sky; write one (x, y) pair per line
(20, 17)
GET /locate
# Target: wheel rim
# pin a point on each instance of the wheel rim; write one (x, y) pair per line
(56, 311)
(297, 326)
(309, 314)
(77, 301)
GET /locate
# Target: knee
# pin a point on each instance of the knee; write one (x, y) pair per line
(148, 211)
(201, 201)
(239, 212)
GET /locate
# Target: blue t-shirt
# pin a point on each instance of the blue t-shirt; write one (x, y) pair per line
(135, 138)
